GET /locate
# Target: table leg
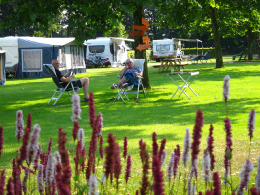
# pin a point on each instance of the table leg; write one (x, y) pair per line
(188, 85)
(179, 88)
(160, 67)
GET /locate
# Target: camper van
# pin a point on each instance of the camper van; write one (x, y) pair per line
(105, 51)
(165, 48)
(25, 56)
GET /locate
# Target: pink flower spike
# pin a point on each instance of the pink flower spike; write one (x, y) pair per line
(81, 137)
(206, 166)
(57, 157)
(226, 88)
(186, 150)
(99, 124)
(93, 185)
(245, 177)
(163, 157)
(33, 145)
(19, 125)
(75, 107)
(251, 123)
(257, 177)
(49, 176)
(170, 167)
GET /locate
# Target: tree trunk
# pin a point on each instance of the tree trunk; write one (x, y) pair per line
(138, 15)
(218, 51)
(250, 39)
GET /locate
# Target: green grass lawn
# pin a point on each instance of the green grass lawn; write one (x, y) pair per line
(155, 113)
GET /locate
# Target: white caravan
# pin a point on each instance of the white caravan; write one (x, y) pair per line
(166, 48)
(106, 51)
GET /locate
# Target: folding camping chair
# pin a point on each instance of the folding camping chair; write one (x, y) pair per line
(132, 89)
(206, 56)
(69, 88)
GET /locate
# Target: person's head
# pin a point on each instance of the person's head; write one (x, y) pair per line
(55, 63)
(130, 63)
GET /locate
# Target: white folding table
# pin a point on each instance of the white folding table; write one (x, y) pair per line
(186, 82)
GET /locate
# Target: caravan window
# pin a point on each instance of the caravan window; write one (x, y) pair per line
(32, 60)
(61, 57)
(97, 48)
(76, 56)
(162, 47)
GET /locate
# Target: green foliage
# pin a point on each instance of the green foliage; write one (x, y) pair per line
(117, 31)
(149, 52)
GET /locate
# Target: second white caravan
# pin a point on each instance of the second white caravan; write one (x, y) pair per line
(165, 48)
(105, 51)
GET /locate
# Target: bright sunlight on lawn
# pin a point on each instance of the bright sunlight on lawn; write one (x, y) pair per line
(136, 121)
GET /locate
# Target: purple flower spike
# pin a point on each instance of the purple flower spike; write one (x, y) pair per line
(1, 140)
(216, 184)
(210, 141)
(2, 181)
(101, 147)
(226, 88)
(162, 147)
(110, 152)
(125, 147)
(253, 191)
(175, 165)
(196, 136)
(251, 123)
(19, 125)
(245, 177)
(158, 177)
(91, 110)
(186, 150)
(128, 169)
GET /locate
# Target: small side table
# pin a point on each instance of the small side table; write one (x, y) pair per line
(185, 84)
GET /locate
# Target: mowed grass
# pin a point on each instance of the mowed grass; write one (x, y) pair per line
(155, 113)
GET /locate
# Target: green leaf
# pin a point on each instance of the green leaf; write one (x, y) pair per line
(76, 177)
(226, 180)
(80, 160)
(228, 154)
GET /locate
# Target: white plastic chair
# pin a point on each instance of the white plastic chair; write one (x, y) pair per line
(69, 88)
(132, 89)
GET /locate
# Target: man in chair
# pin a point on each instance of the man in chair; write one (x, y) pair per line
(66, 78)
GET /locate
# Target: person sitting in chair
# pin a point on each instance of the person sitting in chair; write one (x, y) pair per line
(66, 78)
(129, 72)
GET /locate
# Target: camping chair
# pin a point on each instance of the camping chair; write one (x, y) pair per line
(206, 56)
(132, 89)
(60, 89)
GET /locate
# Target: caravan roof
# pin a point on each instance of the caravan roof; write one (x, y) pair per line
(32, 42)
(101, 40)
